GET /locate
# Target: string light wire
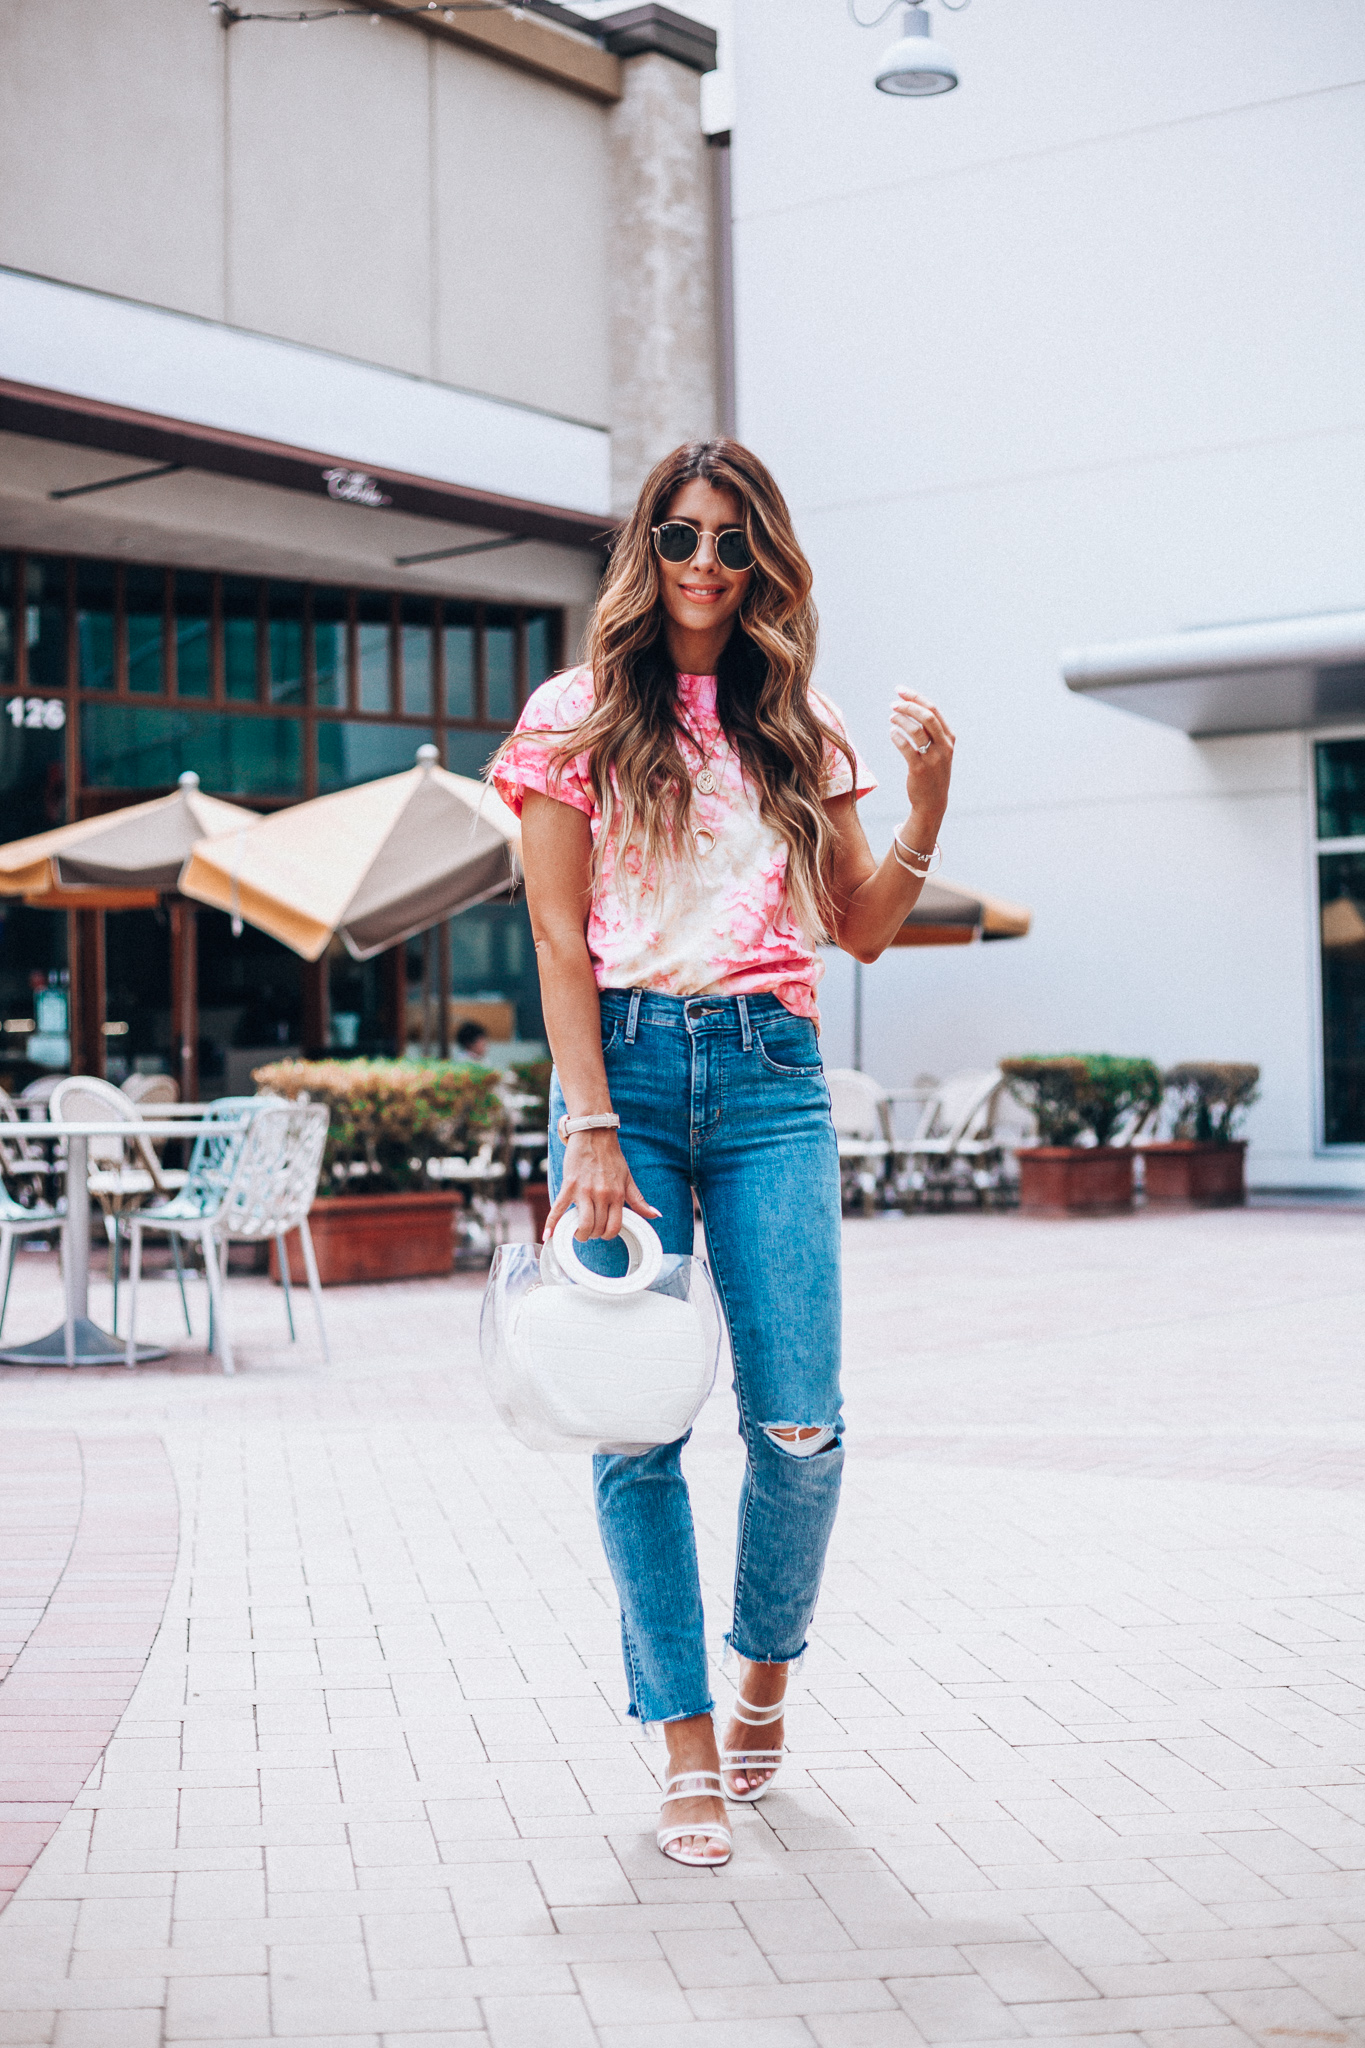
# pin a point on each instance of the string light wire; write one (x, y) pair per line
(953, 7)
(377, 10)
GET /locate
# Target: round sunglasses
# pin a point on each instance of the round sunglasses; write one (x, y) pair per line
(677, 540)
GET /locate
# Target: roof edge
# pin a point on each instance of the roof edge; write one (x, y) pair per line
(1319, 637)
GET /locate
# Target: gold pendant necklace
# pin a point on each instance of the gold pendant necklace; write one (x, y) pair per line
(707, 779)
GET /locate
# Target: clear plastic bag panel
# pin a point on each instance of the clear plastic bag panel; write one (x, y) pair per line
(571, 1370)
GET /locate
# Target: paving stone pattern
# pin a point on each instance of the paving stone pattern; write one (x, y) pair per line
(1078, 1754)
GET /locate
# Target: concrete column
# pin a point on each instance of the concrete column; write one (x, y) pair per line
(665, 382)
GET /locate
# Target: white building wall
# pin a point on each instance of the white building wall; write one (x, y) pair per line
(1072, 354)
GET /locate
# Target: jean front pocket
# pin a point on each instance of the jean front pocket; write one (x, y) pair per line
(790, 1047)
(610, 1037)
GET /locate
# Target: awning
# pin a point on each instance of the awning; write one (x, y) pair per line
(1282, 675)
(174, 391)
(947, 914)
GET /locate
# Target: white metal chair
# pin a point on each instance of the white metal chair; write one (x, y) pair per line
(147, 1089)
(16, 1222)
(38, 1093)
(252, 1182)
(868, 1154)
(955, 1145)
(21, 1161)
(119, 1185)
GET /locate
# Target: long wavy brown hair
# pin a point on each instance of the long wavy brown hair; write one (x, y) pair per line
(638, 766)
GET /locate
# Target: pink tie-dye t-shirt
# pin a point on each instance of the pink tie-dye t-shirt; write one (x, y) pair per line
(718, 925)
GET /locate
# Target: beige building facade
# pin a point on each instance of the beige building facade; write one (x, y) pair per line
(329, 353)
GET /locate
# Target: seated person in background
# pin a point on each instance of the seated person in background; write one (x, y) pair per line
(472, 1040)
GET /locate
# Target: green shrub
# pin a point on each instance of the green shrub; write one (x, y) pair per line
(533, 1078)
(1084, 1091)
(1210, 1097)
(388, 1117)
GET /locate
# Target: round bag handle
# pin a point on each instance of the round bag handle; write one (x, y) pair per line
(642, 1243)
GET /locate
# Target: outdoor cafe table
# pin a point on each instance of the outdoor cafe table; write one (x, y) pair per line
(77, 1340)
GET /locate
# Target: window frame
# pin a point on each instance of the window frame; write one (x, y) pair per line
(1317, 847)
(311, 715)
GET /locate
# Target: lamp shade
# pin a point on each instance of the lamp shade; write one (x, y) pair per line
(916, 66)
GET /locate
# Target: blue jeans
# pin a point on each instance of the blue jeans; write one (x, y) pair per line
(726, 1094)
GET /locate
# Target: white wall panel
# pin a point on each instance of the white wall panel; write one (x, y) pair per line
(329, 223)
(1073, 354)
(111, 146)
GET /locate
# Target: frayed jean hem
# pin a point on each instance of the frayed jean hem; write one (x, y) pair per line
(665, 1720)
(793, 1661)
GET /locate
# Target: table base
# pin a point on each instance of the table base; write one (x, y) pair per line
(93, 1346)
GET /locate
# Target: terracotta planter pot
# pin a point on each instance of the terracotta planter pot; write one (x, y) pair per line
(376, 1237)
(1203, 1175)
(1076, 1180)
(538, 1196)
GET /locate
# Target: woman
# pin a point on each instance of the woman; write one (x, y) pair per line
(689, 830)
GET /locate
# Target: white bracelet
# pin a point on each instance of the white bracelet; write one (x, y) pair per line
(568, 1125)
(908, 856)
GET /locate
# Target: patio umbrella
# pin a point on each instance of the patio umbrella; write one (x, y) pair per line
(371, 865)
(141, 848)
(949, 915)
(127, 860)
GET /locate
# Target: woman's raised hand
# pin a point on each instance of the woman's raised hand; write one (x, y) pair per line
(922, 737)
(598, 1181)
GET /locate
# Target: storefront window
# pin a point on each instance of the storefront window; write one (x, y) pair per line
(95, 625)
(467, 752)
(373, 655)
(45, 621)
(1341, 789)
(144, 613)
(32, 765)
(331, 609)
(458, 653)
(493, 956)
(1341, 899)
(418, 645)
(241, 608)
(174, 670)
(146, 747)
(284, 641)
(9, 639)
(540, 649)
(500, 666)
(193, 633)
(350, 751)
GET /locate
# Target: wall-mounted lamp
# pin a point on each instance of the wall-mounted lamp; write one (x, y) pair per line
(916, 66)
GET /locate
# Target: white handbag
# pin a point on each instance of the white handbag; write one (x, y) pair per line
(581, 1361)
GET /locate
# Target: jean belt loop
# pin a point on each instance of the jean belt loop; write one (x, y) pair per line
(743, 1009)
(633, 1016)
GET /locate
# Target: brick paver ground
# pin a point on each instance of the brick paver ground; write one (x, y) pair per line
(1078, 1755)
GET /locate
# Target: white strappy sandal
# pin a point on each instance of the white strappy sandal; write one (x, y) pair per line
(732, 1760)
(694, 1785)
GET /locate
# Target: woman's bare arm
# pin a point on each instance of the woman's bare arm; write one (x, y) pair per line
(872, 900)
(556, 854)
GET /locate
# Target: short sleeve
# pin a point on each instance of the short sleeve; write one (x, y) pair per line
(839, 776)
(551, 711)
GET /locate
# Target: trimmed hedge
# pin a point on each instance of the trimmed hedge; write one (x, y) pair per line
(1084, 1091)
(1210, 1097)
(388, 1117)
